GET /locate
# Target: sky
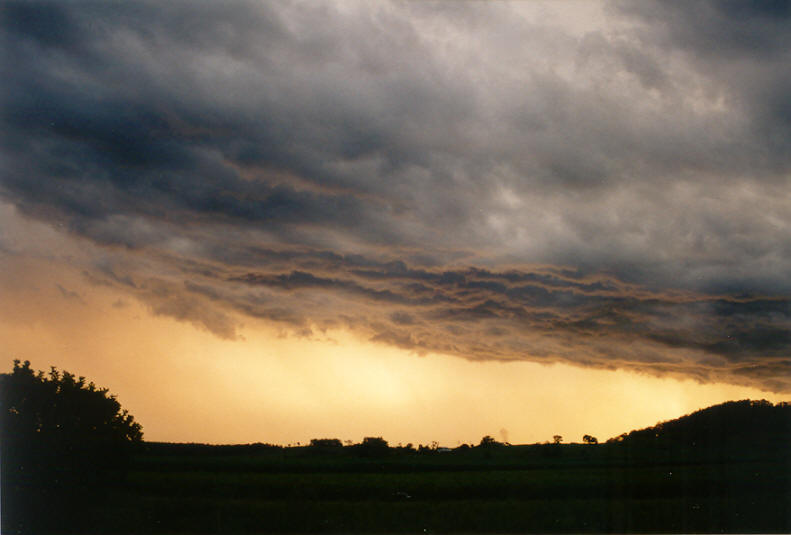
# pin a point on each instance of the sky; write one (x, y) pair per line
(276, 221)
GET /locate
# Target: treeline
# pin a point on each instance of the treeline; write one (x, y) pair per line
(368, 447)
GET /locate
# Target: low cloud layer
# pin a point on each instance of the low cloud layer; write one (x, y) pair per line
(489, 180)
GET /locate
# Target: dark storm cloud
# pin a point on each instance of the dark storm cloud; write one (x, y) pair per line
(721, 28)
(454, 177)
(477, 313)
(743, 45)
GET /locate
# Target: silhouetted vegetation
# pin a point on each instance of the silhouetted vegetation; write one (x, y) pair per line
(372, 447)
(488, 442)
(731, 430)
(588, 439)
(326, 443)
(63, 441)
(744, 422)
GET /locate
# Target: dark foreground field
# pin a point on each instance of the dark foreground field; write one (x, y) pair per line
(541, 488)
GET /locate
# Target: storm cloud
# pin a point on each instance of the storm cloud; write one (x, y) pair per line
(488, 180)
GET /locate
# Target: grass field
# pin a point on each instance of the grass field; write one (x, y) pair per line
(509, 489)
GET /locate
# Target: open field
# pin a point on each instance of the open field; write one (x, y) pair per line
(199, 489)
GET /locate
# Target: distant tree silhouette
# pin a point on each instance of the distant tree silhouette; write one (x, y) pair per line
(487, 442)
(557, 439)
(62, 439)
(373, 447)
(588, 439)
(325, 443)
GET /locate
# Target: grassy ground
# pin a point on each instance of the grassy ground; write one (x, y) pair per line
(516, 489)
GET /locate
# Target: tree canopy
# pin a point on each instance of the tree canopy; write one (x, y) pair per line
(62, 439)
(62, 407)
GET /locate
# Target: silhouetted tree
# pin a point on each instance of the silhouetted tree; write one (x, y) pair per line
(588, 439)
(62, 439)
(487, 442)
(373, 447)
(325, 443)
(557, 439)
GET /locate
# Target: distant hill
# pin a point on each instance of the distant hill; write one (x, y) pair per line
(733, 425)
